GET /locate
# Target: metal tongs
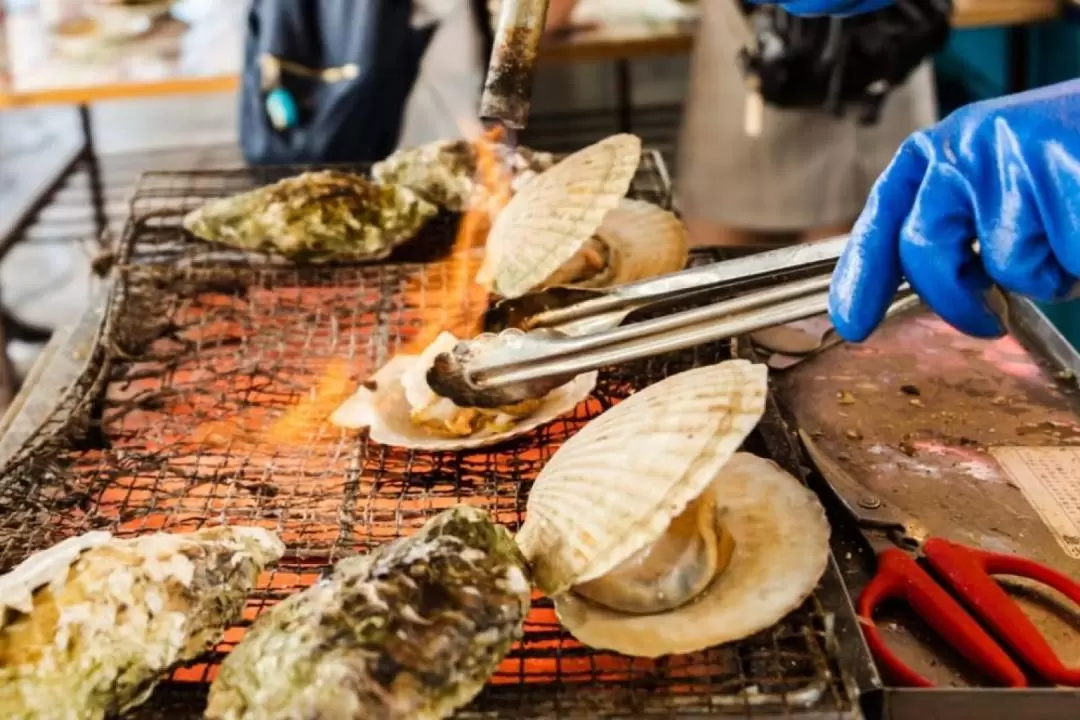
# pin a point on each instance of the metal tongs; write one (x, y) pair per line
(543, 339)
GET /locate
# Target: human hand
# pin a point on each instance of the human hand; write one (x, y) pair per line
(1004, 172)
(827, 7)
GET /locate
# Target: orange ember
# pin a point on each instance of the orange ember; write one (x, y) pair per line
(457, 307)
(462, 300)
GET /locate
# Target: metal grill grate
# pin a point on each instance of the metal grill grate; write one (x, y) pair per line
(205, 403)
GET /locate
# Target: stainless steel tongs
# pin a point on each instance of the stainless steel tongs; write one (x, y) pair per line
(544, 339)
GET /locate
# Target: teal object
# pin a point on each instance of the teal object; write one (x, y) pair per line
(1065, 316)
(282, 109)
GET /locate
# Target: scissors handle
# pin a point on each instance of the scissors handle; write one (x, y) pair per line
(899, 577)
(968, 571)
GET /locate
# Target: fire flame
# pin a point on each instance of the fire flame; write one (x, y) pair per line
(451, 299)
(459, 295)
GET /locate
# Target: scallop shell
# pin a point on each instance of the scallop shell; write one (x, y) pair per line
(556, 213)
(645, 240)
(380, 405)
(616, 485)
(781, 541)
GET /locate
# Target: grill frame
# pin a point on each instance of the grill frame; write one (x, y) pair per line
(154, 261)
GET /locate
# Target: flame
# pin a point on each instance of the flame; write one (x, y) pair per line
(459, 297)
(312, 412)
(451, 300)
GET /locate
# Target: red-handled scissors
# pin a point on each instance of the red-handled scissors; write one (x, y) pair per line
(967, 572)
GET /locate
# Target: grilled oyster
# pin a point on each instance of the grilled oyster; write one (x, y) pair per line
(573, 226)
(411, 631)
(315, 217)
(399, 407)
(91, 625)
(705, 546)
(445, 171)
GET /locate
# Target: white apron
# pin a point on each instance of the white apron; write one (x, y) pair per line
(805, 170)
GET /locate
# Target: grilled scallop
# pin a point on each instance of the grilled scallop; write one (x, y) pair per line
(399, 408)
(653, 536)
(573, 225)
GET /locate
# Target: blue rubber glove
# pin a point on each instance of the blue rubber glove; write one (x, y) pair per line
(826, 7)
(1005, 172)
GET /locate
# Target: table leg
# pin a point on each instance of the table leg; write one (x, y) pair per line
(93, 171)
(1019, 57)
(624, 98)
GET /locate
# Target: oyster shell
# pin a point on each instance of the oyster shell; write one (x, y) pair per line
(400, 409)
(315, 217)
(546, 224)
(444, 172)
(652, 540)
(412, 631)
(91, 625)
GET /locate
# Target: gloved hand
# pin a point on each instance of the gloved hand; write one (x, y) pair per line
(1005, 172)
(826, 7)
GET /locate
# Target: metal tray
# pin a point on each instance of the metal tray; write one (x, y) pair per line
(925, 415)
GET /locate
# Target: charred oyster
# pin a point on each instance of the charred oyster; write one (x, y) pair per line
(411, 631)
(91, 625)
(315, 217)
(445, 172)
(401, 409)
(705, 546)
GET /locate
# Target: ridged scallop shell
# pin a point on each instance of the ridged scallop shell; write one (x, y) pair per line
(380, 406)
(781, 539)
(644, 240)
(616, 485)
(556, 213)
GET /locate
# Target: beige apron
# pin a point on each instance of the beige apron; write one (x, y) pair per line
(805, 170)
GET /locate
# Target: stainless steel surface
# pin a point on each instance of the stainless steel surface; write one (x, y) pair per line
(508, 86)
(983, 704)
(930, 406)
(576, 311)
(869, 511)
(560, 357)
(489, 372)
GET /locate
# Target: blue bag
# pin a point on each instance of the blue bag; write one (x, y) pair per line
(327, 81)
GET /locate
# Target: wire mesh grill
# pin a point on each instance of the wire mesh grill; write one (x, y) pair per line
(206, 402)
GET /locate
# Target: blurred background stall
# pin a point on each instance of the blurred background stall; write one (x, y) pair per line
(93, 92)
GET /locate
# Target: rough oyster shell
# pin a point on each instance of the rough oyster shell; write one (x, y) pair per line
(90, 626)
(411, 632)
(616, 485)
(555, 214)
(781, 540)
(315, 217)
(444, 172)
(381, 405)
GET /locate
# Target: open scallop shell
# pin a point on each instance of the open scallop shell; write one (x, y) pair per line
(381, 406)
(781, 542)
(644, 240)
(615, 486)
(556, 213)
